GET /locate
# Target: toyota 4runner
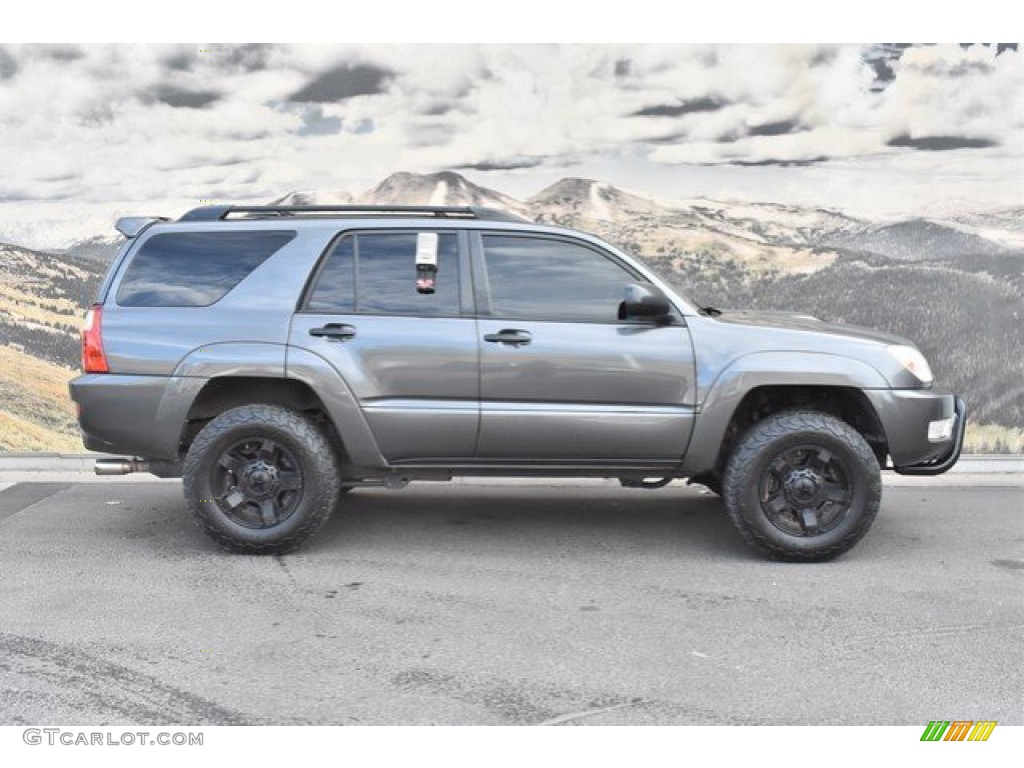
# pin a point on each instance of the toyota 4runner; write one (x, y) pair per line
(277, 357)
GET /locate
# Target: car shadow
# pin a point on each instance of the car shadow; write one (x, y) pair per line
(676, 521)
(505, 519)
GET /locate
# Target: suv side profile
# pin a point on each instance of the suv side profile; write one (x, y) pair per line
(276, 357)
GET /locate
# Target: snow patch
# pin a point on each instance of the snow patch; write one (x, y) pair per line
(598, 204)
(440, 193)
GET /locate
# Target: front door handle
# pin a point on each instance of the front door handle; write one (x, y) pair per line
(513, 336)
(334, 332)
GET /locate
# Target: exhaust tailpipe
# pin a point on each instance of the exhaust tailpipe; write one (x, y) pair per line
(120, 466)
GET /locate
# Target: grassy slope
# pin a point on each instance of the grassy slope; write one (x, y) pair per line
(42, 301)
(35, 412)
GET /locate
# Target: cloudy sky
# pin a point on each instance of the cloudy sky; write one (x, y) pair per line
(90, 132)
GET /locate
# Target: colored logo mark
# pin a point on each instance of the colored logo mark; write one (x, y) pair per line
(958, 730)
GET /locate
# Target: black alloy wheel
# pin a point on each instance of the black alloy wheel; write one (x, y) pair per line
(802, 485)
(805, 490)
(261, 479)
(257, 483)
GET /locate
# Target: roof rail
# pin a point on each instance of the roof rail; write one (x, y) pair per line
(226, 212)
(206, 213)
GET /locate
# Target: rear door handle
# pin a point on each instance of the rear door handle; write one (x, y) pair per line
(513, 336)
(334, 332)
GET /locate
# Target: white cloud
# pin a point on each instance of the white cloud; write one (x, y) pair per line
(949, 91)
(87, 125)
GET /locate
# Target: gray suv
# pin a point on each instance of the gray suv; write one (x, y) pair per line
(277, 357)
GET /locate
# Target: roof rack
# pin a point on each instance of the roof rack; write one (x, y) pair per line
(227, 212)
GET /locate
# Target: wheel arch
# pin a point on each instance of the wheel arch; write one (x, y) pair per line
(222, 393)
(766, 383)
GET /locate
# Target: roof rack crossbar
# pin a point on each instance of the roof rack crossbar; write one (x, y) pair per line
(225, 212)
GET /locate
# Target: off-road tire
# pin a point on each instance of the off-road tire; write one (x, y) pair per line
(301, 439)
(761, 450)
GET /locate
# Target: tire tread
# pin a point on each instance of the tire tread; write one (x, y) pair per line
(302, 429)
(758, 439)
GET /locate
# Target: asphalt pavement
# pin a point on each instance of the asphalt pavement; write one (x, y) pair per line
(507, 603)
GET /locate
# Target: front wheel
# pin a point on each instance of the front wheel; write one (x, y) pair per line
(802, 486)
(261, 479)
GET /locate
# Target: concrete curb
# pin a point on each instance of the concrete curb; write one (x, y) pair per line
(48, 462)
(1006, 481)
(975, 464)
(989, 471)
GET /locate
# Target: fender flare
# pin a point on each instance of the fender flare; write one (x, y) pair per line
(341, 404)
(272, 361)
(233, 358)
(195, 370)
(761, 369)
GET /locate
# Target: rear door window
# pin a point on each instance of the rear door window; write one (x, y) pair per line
(375, 273)
(195, 269)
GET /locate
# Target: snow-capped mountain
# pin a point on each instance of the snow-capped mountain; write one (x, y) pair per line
(761, 236)
(445, 188)
(573, 200)
(99, 249)
(315, 197)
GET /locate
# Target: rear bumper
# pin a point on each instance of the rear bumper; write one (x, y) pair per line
(133, 415)
(924, 428)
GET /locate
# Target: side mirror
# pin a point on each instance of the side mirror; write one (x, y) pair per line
(644, 301)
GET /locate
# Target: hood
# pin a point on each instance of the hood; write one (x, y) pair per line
(795, 321)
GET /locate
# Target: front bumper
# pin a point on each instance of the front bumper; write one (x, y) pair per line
(908, 416)
(943, 463)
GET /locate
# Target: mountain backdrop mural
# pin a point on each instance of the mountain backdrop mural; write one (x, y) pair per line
(955, 286)
(875, 184)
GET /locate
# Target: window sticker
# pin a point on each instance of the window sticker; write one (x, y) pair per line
(426, 261)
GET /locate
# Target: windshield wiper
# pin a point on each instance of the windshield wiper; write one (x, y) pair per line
(710, 311)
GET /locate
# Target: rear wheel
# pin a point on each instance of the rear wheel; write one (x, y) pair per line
(261, 479)
(803, 486)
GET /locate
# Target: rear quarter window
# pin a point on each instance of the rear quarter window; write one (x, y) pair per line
(195, 269)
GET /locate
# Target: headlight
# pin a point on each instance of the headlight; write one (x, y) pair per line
(912, 359)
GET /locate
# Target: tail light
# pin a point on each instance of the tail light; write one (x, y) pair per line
(93, 359)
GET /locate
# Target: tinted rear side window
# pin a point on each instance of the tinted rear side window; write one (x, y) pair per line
(194, 269)
(376, 274)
